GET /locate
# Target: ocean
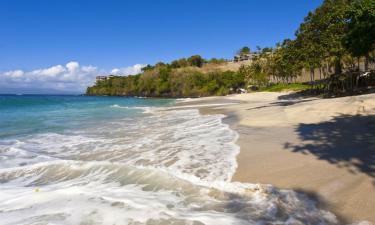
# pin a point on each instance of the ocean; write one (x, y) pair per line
(116, 160)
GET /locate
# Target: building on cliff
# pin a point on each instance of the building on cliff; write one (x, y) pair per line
(245, 57)
(101, 78)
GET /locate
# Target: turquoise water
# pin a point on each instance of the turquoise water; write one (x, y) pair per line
(114, 160)
(31, 114)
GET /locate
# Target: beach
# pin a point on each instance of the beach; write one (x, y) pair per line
(321, 147)
(116, 160)
(262, 158)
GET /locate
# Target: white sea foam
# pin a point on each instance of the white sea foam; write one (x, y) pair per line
(72, 192)
(145, 109)
(117, 106)
(182, 141)
(167, 167)
(202, 105)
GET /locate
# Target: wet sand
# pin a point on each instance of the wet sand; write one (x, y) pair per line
(322, 147)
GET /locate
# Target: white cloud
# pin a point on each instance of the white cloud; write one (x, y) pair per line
(50, 72)
(14, 74)
(72, 77)
(72, 66)
(130, 70)
(88, 69)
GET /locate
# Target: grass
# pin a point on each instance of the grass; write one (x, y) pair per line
(286, 87)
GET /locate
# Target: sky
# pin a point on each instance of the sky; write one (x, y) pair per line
(60, 46)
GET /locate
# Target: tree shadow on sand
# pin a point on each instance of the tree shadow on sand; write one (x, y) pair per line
(296, 95)
(347, 141)
(282, 103)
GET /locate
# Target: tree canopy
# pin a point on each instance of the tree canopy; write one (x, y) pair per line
(359, 39)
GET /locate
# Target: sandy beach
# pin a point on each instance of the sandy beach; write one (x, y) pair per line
(322, 147)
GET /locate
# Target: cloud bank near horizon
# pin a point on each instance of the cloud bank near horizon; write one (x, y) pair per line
(71, 77)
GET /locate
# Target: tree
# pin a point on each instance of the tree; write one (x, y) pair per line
(244, 50)
(331, 26)
(160, 64)
(266, 50)
(322, 32)
(179, 63)
(259, 49)
(147, 68)
(175, 64)
(183, 62)
(360, 38)
(216, 61)
(254, 74)
(195, 60)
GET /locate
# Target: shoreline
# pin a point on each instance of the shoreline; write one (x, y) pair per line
(290, 142)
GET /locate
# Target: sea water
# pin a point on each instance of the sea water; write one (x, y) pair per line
(116, 160)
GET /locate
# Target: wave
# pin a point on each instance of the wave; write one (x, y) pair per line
(183, 141)
(145, 109)
(73, 192)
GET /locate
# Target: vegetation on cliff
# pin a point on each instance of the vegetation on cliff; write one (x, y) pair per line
(164, 81)
(332, 40)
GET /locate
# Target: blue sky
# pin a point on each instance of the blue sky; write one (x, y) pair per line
(41, 34)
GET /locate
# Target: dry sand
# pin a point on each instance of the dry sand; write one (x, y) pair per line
(323, 147)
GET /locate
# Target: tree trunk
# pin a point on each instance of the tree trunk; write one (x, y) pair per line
(312, 78)
(328, 69)
(320, 77)
(320, 73)
(325, 71)
(338, 67)
(358, 61)
(366, 62)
